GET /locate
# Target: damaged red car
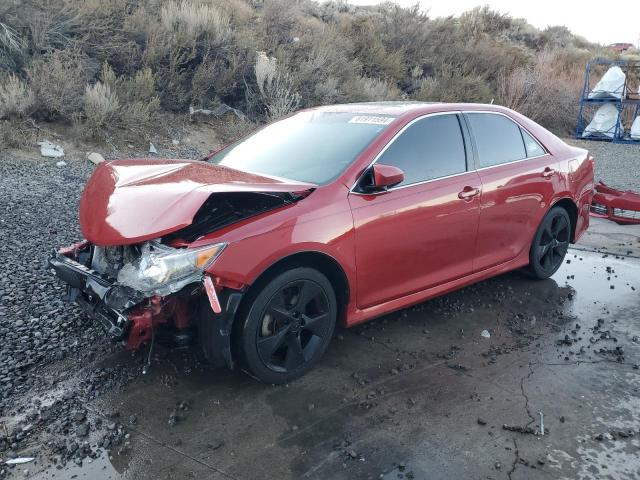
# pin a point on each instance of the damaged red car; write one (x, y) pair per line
(333, 215)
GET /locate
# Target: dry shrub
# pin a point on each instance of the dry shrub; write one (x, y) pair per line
(16, 133)
(11, 47)
(187, 34)
(58, 81)
(365, 89)
(215, 80)
(192, 20)
(450, 84)
(119, 102)
(101, 108)
(103, 35)
(279, 20)
(16, 97)
(546, 91)
(51, 24)
(231, 128)
(202, 53)
(326, 63)
(276, 87)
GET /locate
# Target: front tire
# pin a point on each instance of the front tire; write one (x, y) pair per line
(287, 325)
(550, 243)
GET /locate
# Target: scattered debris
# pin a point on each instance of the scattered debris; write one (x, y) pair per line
(521, 429)
(219, 111)
(482, 421)
(152, 148)
(61, 163)
(95, 158)
(51, 150)
(541, 423)
(19, 460)
(485, 334)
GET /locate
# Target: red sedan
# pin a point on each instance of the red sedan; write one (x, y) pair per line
(334, 214)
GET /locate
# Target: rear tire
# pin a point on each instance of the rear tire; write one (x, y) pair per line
(286, 325)
(550, 244)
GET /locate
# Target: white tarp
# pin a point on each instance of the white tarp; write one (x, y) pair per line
(611, 85)
(603, 123)
(635, 129)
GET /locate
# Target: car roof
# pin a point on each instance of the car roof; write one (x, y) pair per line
(401, 108)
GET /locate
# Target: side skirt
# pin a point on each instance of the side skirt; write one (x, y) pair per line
(362, 315)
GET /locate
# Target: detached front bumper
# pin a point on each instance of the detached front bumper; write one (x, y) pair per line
(99, 297)
(616, 205)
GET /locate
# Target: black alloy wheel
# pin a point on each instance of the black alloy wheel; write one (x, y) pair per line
(289, 325)
(550, 243)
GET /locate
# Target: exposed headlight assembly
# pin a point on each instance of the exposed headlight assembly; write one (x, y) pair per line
(162, 270)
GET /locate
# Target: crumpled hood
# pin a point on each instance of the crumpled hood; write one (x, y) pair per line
(131, 201)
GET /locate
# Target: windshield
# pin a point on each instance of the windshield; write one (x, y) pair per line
(313, 147)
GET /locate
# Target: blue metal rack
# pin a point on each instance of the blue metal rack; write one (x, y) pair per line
(630, 101)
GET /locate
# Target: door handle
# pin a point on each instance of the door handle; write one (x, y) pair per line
(548, 172)
(468, 193)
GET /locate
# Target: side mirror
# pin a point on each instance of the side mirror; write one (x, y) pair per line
(385, 176)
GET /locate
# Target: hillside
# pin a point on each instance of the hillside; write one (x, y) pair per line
(113, 68)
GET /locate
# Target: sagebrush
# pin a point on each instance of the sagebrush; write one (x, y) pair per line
(116, 64)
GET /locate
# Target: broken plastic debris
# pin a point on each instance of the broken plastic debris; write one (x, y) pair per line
(541, 423)
(485, 334)
(95, 157)
(218, 111)
(20, 460)
(48, 149)
(152, 148)
(61, 163)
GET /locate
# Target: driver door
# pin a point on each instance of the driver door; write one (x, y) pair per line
(422, 232)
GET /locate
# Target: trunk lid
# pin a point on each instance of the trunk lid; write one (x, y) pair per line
(131, 201)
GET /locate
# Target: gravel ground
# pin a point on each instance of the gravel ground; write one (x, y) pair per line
(617, 164)
(52, 359)
(51, 356)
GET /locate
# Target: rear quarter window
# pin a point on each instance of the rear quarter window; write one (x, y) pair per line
(531, 145)
(498, 139)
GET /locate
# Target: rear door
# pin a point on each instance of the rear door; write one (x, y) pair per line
(518, 178)
(422, 232)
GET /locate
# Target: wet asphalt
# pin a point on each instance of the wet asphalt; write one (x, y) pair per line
(416, 394)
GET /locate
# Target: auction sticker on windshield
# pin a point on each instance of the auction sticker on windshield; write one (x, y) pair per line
(370, 119)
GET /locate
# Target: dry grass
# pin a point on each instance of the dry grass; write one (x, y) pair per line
(193, 19)
(16, 98)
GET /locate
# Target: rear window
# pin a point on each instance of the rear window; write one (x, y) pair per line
(498, 139)
(312, 146)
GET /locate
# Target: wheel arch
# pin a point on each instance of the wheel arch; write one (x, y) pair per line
(572, 209)
(324, 263)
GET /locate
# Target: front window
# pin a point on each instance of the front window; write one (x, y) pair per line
(314, 146)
